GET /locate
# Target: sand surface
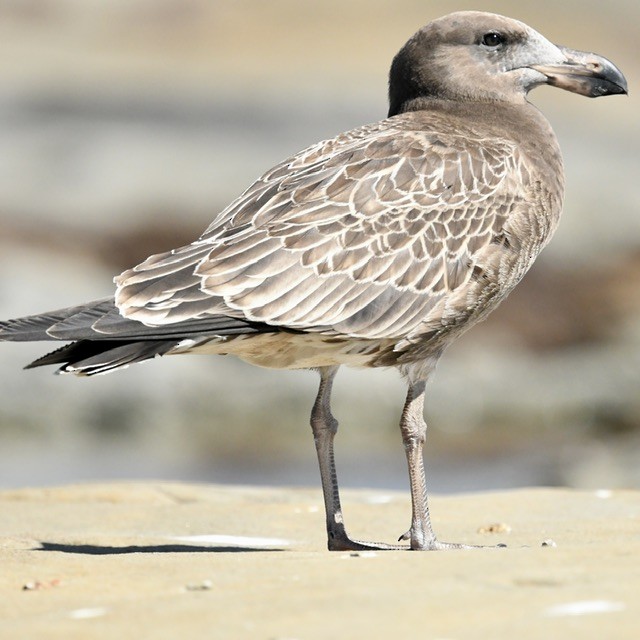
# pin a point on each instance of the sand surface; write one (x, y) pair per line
(192, 561)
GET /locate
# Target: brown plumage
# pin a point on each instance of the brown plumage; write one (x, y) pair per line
(375, 248)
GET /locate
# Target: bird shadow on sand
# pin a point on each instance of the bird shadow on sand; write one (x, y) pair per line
(101, 550)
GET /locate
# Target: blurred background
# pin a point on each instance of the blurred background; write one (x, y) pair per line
(126, 125)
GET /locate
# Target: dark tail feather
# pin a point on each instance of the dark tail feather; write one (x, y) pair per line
(101, 320)
(37, 327)
(90, 358)
(105, 341)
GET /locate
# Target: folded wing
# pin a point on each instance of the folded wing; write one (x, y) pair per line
(365, 235)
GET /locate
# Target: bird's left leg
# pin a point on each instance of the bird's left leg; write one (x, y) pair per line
(414, 430)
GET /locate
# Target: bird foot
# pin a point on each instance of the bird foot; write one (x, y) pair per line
(421, 543)
(340, 541)
(436, 545)
(347, 544)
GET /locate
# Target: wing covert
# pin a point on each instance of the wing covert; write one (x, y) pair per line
(365, 235)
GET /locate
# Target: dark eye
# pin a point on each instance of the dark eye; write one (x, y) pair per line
(492, 39)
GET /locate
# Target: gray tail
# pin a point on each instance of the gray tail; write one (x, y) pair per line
(104, 341)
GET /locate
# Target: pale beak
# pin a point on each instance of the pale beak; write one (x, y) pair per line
(585, 73)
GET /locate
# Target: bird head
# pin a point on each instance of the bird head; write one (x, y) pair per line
(471, 55)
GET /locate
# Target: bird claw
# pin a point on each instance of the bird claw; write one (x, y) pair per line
(433, 544)
(358, 545)
(342, 542)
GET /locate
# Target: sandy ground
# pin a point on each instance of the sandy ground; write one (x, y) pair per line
(193, 561)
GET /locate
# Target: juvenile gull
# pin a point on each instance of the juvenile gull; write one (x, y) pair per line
(376, 248)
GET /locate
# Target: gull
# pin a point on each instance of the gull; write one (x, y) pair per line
(376, 248)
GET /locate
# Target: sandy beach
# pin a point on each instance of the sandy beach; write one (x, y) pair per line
(181, 560)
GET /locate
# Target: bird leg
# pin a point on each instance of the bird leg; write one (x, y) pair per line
(324, 427)
(414, 430)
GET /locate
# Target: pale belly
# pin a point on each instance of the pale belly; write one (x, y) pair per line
(290, 350)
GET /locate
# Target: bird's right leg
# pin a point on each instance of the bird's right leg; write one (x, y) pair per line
(324, 427)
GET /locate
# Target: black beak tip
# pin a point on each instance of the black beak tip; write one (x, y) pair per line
(619, 84)
(609, 88)
(610, 81)
(624, 89)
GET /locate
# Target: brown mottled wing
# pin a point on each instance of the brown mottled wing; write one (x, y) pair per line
(368, 234)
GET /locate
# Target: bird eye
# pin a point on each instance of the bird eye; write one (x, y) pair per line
(492, 39)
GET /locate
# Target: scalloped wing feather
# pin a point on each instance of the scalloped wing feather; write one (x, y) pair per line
(371, 234)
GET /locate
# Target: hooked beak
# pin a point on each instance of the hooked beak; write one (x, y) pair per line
(585, 73)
